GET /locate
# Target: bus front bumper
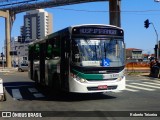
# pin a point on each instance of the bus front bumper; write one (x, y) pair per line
(96, 86)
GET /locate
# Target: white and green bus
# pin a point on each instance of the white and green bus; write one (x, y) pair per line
(82, 59)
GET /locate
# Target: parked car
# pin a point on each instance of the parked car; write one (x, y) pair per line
(23, 67)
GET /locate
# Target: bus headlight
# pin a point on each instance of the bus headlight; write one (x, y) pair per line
(120, 78)
(82, 80)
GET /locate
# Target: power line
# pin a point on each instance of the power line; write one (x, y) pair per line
(10, 4)
(104, 11)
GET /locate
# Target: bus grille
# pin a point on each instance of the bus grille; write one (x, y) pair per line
(96, 88)
(93, 80)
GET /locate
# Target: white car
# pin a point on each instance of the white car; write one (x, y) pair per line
(23, 67)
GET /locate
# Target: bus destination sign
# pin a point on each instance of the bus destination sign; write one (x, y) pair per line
(97, 31)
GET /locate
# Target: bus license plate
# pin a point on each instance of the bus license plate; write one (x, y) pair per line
(102, 87)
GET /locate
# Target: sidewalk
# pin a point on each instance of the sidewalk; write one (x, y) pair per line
(8, 69)
(138, 69)
(2, 94)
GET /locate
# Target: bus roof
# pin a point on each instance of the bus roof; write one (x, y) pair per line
(69, 29)
(106, 25)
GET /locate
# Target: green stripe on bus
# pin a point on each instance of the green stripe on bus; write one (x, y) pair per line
(88, 76)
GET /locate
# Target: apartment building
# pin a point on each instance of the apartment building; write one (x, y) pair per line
(37, 24)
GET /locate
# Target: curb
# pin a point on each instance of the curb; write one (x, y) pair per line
(2, 95)
(8, 69)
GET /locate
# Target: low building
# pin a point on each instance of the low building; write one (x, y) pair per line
(20, 52)
(134, 54)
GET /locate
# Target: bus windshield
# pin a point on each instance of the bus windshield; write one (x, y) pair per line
(107, 52)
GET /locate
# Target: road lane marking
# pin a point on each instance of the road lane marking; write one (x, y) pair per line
(141, 88)
(141, 84)
(16, 94)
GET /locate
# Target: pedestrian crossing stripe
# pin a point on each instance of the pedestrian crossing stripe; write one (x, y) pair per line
(132, 90)
(141, 88)
(38, 95)
(152, 83)
(146, 85)
(16, 94)
(32, 90)
(135, 87)
(157, 82)
(131, 87)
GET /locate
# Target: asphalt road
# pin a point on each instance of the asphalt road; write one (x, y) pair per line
(142, 94)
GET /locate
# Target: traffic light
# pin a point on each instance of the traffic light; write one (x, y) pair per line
(146, 23)
(2, 54)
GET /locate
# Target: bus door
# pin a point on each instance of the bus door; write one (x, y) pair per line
(31, 56)
(64, 67)
(42, 63)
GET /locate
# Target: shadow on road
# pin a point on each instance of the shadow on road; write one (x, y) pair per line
(48, 94)
(71, 97)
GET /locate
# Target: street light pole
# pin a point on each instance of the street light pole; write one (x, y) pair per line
(157, 41)
(146, 25)
(157, 36)
(3, 59)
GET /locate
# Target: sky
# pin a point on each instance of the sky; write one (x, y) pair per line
(133, 15)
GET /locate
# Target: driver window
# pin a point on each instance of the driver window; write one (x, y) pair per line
(75, 52)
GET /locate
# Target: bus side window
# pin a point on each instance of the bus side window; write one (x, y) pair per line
(36, 51)
(53, 50)
(56, 49)
(49, 51)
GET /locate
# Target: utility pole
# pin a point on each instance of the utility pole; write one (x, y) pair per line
(9, 18)
(114, 8)
(157, 40)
